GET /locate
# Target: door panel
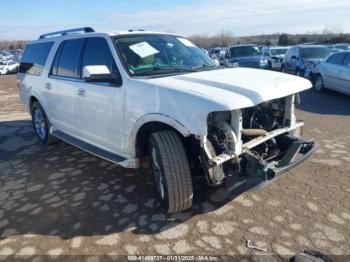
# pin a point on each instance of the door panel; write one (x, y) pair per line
(345, 75)
(333, 76)
(100, 106)
(100, 110)
(60, 86)
(60, 100)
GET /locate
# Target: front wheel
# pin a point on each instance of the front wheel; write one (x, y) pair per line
(319, 85)
(171, 171)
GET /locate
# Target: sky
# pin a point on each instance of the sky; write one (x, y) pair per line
(27, 19)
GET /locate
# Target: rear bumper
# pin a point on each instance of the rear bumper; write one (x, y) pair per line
(267, 172)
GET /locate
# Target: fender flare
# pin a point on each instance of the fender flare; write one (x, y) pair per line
(156, 117)
(40, 99)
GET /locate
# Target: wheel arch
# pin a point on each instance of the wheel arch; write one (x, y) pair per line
(35, 97)
(149, 124)
(32, 100)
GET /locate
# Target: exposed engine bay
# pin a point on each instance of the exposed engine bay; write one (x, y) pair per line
(257, 142)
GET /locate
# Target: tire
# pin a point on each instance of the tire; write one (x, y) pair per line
(319, 84)
(171, 171)
(41, 124)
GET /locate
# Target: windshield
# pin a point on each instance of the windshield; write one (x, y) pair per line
(314, 52)
(245, 51)
(279, 51)
(146, 55)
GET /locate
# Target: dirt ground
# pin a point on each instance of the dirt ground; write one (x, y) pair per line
(59, 200)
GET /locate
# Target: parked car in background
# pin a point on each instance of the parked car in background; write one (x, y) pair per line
(222, 56)
(334, 73)
(245, 56)
(343, 47)
(214, 53)
(205, 51)
(302, 59)
(334, 50)
(7, 67)
(275, 56)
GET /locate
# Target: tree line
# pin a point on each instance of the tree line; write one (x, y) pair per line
(11, 45)
(226, 39)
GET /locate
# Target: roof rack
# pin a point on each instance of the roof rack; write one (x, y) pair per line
(69, 31)
(133, 30)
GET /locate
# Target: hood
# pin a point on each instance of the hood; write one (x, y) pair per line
(234, 88)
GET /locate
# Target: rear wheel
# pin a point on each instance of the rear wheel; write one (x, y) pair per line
(319, 85)
(41, 124)
(171, 171)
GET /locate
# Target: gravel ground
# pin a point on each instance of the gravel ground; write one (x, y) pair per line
(59, 200)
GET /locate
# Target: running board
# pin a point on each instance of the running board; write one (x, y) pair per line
(114, 158)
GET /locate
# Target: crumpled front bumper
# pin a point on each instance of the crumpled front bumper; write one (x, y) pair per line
(267, 172)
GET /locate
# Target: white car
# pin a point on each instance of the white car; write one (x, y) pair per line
(126, 95)
(333, 73)
(7, 67)
(275, 56)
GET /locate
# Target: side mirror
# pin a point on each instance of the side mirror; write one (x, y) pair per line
(97, 73)
(294, 57)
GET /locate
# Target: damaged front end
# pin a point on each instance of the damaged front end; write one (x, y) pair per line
(252, 146)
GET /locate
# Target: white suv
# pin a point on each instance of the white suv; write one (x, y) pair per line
(127, 95)
(7, 67)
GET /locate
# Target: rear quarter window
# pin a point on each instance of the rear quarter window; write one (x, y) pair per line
(34, 58)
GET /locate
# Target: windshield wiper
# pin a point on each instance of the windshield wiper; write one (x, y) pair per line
(177, 69)
(205, 66)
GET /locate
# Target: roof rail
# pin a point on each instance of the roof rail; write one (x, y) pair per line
(69, 31)
(133, 30)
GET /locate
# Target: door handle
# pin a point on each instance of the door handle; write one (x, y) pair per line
(81, 92)
(48, 86)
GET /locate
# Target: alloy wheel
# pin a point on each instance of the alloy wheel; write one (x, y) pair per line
(39, 123)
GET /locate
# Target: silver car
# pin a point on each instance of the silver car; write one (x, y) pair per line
(334, 73)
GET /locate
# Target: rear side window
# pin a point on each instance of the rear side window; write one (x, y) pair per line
(97, 52)
(66, 63)
(336, 59)
(34, 58)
